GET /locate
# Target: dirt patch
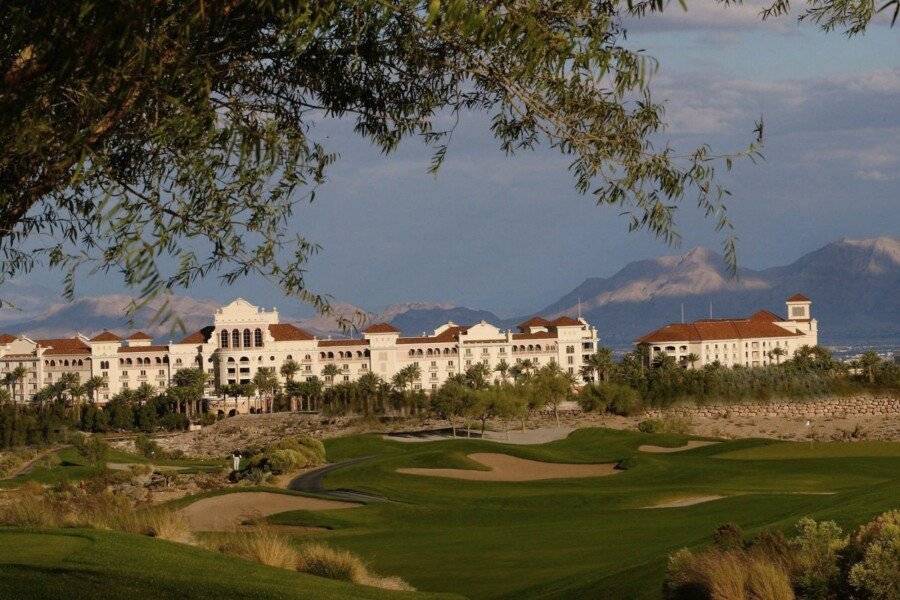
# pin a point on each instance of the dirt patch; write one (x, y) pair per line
(229, 511)
(125, 466)
(667, 450)
(509, 468)
(685, 501)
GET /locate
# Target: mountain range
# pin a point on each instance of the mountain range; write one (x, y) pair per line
(854, 285)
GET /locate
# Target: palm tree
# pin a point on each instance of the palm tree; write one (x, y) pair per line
(77, 393)
(289, 369)
(502, 368)
(92, 385)
(692, 358)
(13, 377)
(600, 363)
(266, 384)
(664, 362)
(329, 372)
(4, 396)
(527, 366)
(868, 364)
(777, 352)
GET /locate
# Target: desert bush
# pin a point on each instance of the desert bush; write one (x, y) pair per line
(816, 549)
(876, 547)
(286, 460)
(147, 447)
(620, 399)
(673, 425)
(305, 444)
(93, 449)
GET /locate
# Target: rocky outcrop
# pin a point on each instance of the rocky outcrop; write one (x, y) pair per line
(850, 406)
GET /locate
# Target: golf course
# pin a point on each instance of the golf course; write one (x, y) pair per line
(593, 515)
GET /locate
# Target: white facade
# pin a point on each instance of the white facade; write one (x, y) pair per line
(244, 339)
(749, 342)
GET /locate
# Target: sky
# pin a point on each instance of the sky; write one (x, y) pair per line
(512, 234)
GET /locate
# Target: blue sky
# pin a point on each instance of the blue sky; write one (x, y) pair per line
(511, 234)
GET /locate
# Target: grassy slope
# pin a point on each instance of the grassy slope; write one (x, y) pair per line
(589, 537)
(73, 467)
(77, 564)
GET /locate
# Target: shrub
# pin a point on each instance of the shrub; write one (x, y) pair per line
(767, 581)
(147, 447)
(816, 550)
(728, 536)
(876, 575)
(672, 425)
(629, 462)
(287, 460)
(320, 560)
(308, 445)
(263, 545)
(620, 399)
(93, 449)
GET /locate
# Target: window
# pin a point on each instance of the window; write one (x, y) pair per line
(571, 349)
(571, 360)
(798, 311)
(236, 338)
(257, 338)
(224, 338)
(468, 352)
(246, 338)
(484, 350)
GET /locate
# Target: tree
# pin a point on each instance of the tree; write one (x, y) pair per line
(664, 362)
(477, 376)
(266, 384)
(176, 137)
(329, 372)
(5, 397)
(93, 385)
(452, 401)
(692, 359)
(188, 389)
(15, 376)
(776, 353)
(869, 363)
(502, 368)
(600, 364)
(289, 369)
(553, 385)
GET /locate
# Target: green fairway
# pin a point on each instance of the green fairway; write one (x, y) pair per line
(78, 564)
(591, 537)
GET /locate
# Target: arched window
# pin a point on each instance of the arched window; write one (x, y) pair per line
(537, 347)
(52, 363)
(165, 360)
(308, 357)
(331, 355)
(66, 363)
(257, 337)
(128, 361)
(289, 357)
(235, 338)
(231, 359)
(177, 361)
(530, 348)
(224, 338)
(412, 352)
(419, 352)
(158, 360)
(322, 355)
(244, 359)
(365, 353)
(246, 338)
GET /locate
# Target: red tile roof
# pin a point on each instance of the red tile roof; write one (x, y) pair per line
(451, 334)
(106, 336)
(144, 349)
(5, 338)
(798, 298)
(564, 321)
(723, 329)
(139, 335)
(765, 315)
(201, 336)
(347, 342)
(285, 332)
(534, 322)
(381, 328)
(57, 346)
(538, 335)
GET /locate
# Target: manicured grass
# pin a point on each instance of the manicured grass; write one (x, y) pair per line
(793, 450)
(79, 564)
(583, 538)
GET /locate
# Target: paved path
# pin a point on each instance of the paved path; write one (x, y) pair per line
(313, 482)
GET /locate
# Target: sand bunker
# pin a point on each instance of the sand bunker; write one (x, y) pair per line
(686, 501)
(509, 468)
(666, 450)
(226, 512)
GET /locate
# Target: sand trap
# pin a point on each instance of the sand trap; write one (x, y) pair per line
(686, 501)
(666, 450)
(509, 468)
(228, 511)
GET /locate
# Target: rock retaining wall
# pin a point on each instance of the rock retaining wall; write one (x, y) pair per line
(825, 407)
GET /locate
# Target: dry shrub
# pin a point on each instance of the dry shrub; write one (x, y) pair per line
(164, 524)
(264, 545)
(395, 584)
(766, 581)
(320, 560)
(717, 574)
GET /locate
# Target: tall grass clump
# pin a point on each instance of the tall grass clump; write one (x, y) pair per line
(264, 545)
(818, 563)
(321, 560)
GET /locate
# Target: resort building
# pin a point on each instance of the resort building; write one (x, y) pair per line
(760, 339)
(244, 339)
